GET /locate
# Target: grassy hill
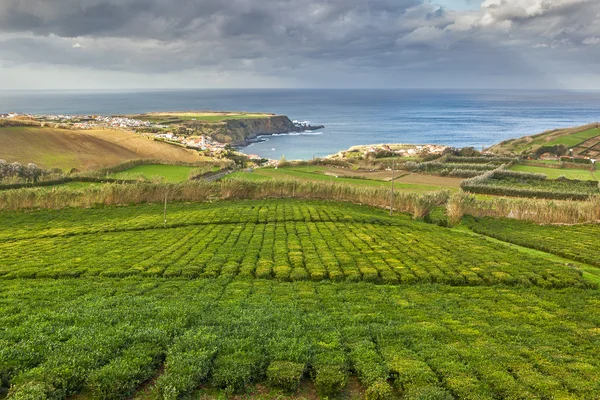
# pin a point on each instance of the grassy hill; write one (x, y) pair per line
(84, 150)
(582, 140)
(324, 296)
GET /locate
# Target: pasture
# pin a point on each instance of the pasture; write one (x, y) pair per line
(403, 182)
(168, 173)
(574, 139)
(554, 173)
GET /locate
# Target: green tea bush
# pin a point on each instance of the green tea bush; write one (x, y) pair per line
(329, 379)
(285, 374)
(187, 364)
(427, 393)
(122, 376)
(33, 391)
(379, 390)
(481, 342)
(526, 184)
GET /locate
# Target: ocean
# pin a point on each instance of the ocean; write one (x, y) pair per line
(351, 117)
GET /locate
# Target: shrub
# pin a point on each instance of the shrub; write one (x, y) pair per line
(330, 379)
(32, 391)
(285, 374)
(188, 363)
(380, 390)
(428, 392)
(123, 375)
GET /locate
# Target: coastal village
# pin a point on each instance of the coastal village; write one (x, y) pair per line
(145, 128)
(171, 134)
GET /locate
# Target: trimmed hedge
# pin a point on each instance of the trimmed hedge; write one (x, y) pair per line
(526, 184)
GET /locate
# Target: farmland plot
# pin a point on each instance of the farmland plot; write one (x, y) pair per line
(284, 240)
(104, 337)
(576, 242)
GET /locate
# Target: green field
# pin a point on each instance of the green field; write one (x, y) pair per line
(553, 173)
(272, 240)
(574, 139)
(108, 303)
(170, 173)
(205, 117)
(317, 174)
(575, 242)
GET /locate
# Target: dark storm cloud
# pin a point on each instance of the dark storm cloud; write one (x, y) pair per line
(301, 38)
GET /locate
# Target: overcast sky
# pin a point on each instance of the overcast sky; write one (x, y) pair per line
(46, 44)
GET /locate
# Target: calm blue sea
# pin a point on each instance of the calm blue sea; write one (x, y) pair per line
(351, 117)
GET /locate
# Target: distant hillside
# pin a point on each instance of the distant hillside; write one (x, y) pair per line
(583, 140)
(83, 150)
(236, 128)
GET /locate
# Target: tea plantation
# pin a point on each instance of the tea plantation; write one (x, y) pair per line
(112, 303)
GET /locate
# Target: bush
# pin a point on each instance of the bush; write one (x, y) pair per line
(188, 363)
(123, 375)
(429, 392)
(380, 390)
(330, 379)
(285, 374)
(32, 391)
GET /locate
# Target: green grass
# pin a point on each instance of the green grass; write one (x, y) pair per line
(574, 139)
(317, 174)
(553, 173)
(170, 173)
(166, 118)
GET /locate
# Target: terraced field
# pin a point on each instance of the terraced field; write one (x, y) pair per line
(284, 293)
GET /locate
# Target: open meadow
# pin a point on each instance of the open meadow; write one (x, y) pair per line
(341, 300)
(554, 173)
(403, 181)
(207, 116)
(170, 173)
(83, 150)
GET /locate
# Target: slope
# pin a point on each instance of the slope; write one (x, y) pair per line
(83, 150)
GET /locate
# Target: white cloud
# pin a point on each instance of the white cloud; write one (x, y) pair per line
(592, 40)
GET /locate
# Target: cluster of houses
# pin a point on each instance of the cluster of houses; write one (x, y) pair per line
(14, 115)
(200, 142)
(88, 121)
(99, 121)
(409, 151)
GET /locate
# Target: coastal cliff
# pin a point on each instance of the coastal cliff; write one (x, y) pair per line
(241, 132)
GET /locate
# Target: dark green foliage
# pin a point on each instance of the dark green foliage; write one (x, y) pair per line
(285, 374)
(527, 184)
(558, 150)
(188, 363)
(123, 375)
